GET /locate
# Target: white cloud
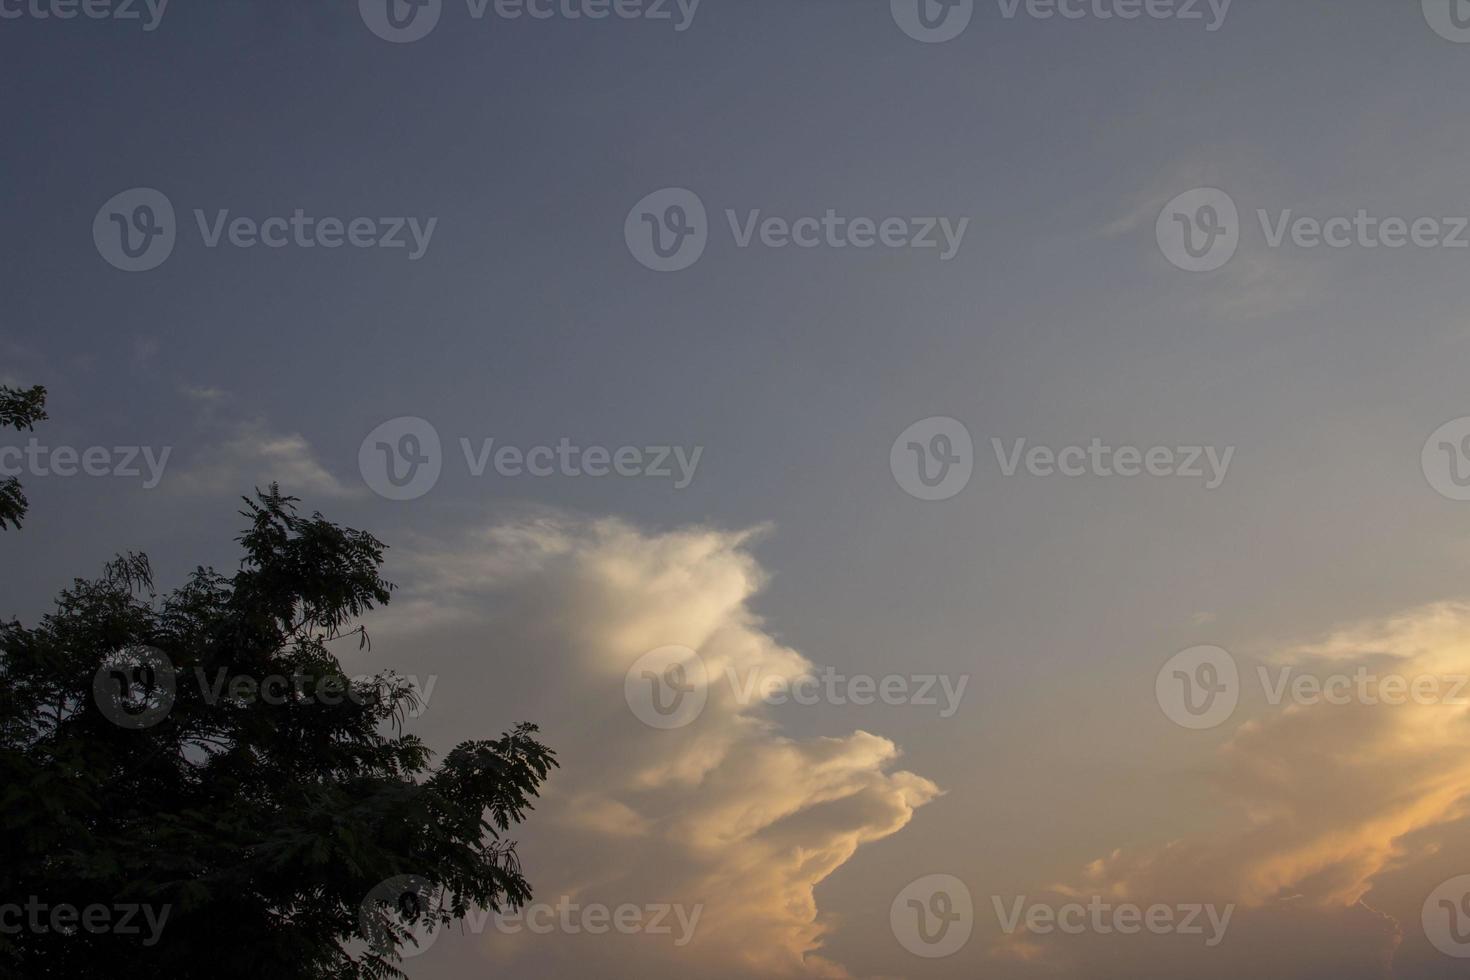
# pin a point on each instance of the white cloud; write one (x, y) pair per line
(239, 455)
(727, 813)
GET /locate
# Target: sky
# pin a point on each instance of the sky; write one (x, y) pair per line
(884, 437)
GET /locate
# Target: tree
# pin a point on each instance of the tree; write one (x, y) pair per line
(203, 755)
(19, 410)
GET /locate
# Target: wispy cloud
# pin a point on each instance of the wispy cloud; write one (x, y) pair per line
(243, 453)
(1325, 800)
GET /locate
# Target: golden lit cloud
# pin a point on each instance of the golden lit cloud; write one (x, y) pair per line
(727, 813)
(1325, 798)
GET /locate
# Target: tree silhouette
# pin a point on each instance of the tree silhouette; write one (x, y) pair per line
(204, 755)
(19, 410)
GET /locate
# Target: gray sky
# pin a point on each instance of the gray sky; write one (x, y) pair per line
(1058, 319)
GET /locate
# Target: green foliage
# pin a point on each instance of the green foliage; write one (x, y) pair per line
(262, 825)
(19, 410)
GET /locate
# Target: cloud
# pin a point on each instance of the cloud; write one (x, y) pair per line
(205, 394)
(1257, 282)
(727, 813)
(1327, 802)
(244, 453)
(145, 353)
(23, 365)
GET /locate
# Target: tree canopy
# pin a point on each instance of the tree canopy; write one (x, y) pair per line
(19, 410)
(204, 756)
